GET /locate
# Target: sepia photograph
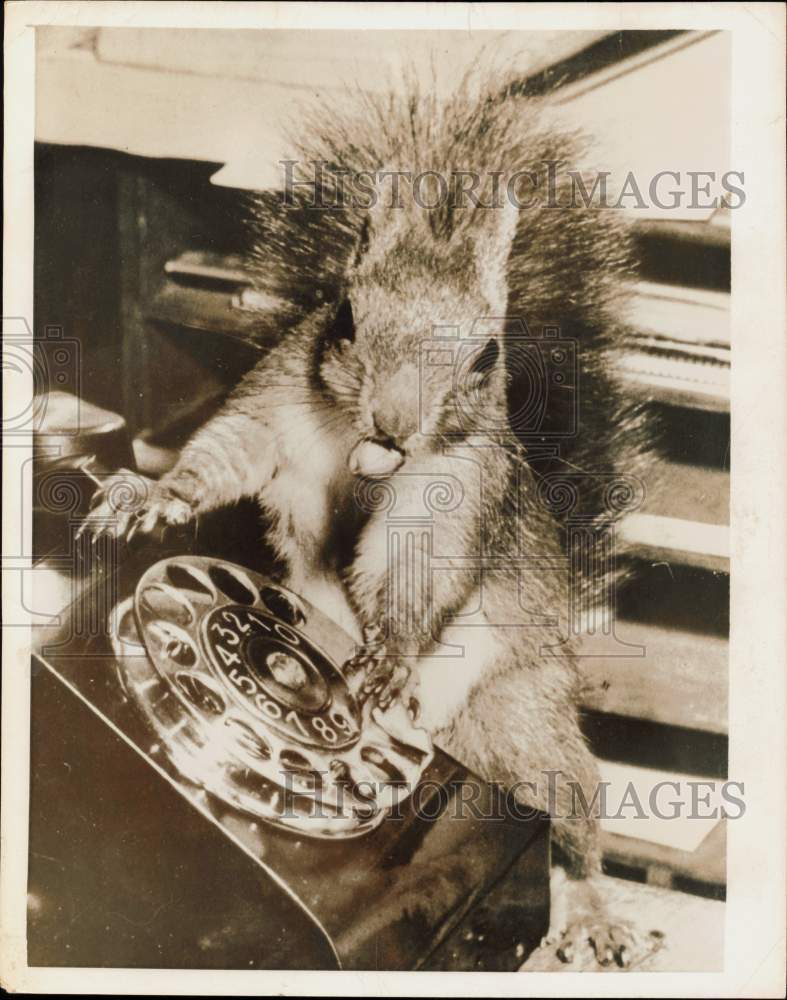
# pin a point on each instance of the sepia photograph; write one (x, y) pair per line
(374, 529)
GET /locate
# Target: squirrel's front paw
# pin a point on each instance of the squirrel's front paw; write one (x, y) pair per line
(385, 680)
(129, 503)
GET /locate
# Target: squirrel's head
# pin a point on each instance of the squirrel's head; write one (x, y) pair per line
(410, 351)
(410, 347)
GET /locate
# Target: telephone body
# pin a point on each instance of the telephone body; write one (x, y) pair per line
(212, 786)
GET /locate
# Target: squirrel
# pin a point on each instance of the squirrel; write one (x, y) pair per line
(344, 410)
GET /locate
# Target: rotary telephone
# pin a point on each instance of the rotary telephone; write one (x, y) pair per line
(248, 690)
(220, 780)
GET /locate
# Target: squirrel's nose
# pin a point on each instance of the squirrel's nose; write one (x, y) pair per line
(385, 431)
(391, 426)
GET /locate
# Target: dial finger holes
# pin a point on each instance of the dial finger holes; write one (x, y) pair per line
(159, 600)
(190, 579)
(200, 694)
(250, 742)
(231, 583)
(180, 652)
(127, 632)
(294, 761)
(300, 771)
(381, 767)
(173, 643)
(282, 606)
(362, 793)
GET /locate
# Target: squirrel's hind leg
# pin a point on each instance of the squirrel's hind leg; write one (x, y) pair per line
(521, 729)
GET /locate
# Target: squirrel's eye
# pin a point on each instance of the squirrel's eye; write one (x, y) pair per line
(343, 326)
(486, 359)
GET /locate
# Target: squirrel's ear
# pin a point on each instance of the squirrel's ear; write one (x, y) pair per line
(492, 252)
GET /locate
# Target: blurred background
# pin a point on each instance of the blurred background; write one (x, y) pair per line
(145, 139)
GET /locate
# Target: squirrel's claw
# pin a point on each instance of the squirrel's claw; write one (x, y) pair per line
(385, 681)
(102, 521)
(153, 506)
(612, 944)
